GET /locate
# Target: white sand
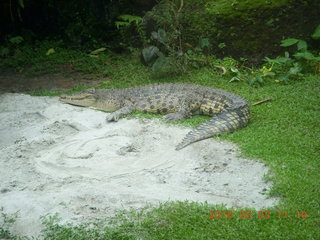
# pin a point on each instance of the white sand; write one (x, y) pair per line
(58, 158)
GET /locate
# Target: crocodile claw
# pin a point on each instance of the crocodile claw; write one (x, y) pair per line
(173, 116)
(112, 117)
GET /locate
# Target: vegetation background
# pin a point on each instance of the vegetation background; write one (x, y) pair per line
(264, 22)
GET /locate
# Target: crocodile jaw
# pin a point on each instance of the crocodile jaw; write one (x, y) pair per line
(92, 99)
(83, 99)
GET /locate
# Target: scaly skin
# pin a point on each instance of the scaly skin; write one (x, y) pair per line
(178, 101)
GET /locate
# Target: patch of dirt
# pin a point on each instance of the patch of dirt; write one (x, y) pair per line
(15, 82)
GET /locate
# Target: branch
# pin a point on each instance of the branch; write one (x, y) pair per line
(262, 101)
(181, 6)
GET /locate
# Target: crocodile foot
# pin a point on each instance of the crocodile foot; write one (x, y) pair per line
(113, 117)
(174, 116)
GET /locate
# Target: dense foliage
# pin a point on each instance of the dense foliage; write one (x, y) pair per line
(221, 22)
(76, 22)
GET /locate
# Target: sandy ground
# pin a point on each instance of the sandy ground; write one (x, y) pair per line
(58, 158)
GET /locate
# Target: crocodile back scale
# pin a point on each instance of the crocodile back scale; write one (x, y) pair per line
(176, 101)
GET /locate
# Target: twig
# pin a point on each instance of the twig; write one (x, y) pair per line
(206, 62)
(262, 101)
(223, 69)
(181, 6)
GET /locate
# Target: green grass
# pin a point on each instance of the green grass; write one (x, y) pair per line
(34, 60)
(283, 133)
(185, 220)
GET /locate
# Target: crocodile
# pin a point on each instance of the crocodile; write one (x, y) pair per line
(229, 111)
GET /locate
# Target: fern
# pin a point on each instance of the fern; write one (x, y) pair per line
(127, 20)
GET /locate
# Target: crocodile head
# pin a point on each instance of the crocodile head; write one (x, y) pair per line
(93, 98)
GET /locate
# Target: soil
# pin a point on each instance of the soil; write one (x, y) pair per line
(15, 82)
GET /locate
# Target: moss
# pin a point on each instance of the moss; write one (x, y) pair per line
(197, 23)
(236, 8)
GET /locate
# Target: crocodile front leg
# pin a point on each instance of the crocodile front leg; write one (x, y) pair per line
(184, 110)
(119, 113)
(177, 116)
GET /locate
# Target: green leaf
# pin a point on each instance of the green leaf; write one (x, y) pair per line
(16, 40)
(222, 45)
(162, 35)
(127, 20)
(305, 55)
(316, 34)
(271, 74)
(160, 54)
(99, 50)
(162, 64)
(289, 42)
(234, 70)
(268, 60)
(50, 51)
(278, 60)
(284, 78)
(179, 53)
(121, 24)
(286, 54)
(259, 79)
(21, 4)
(204, 42)
(295, 70)
(155, 35)
(302, 45)
(235, 79)
(130, 18)
(4, 51)
(150, 54)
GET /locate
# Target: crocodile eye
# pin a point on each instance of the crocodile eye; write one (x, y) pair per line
(90, 90)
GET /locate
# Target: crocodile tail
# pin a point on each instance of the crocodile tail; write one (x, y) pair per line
(224, 122)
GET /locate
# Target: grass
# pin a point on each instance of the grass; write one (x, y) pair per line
(35, 60)
(284, 133)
